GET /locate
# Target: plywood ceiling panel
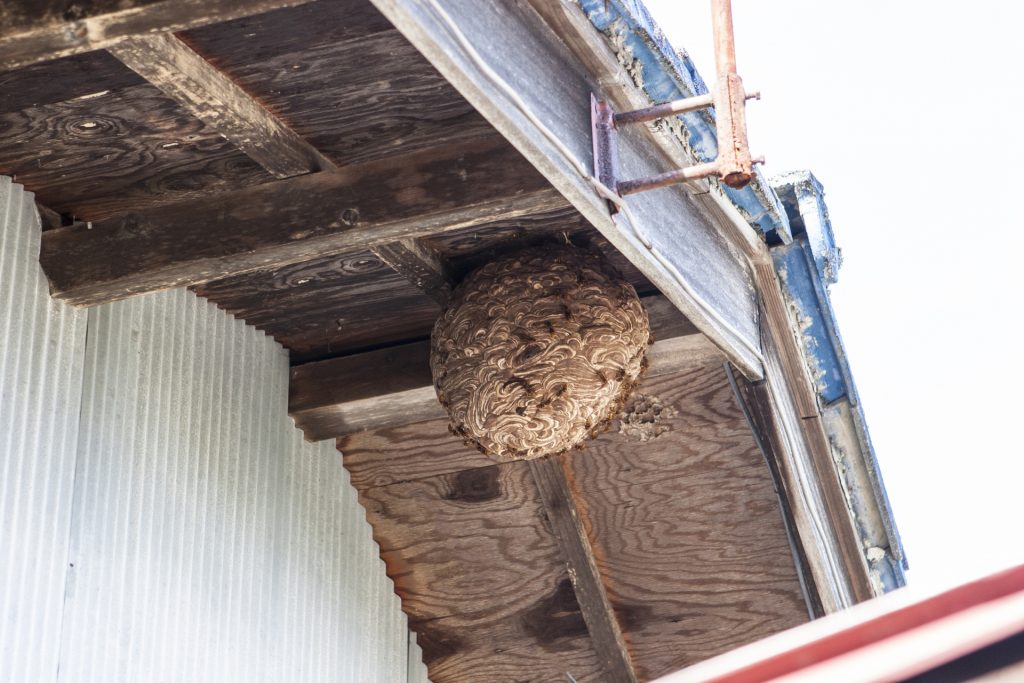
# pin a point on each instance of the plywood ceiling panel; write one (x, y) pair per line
(687, 528)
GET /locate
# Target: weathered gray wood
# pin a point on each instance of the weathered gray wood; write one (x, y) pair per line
(49, 37)
(697, 269)
(420, 265)
(393, 386)
(815, 493)
(212, 97)
(560, 506)
(292, 220)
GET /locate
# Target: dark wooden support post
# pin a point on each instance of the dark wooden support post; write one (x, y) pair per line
(598, 613)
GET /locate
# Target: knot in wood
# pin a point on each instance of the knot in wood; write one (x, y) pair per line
(537, 351)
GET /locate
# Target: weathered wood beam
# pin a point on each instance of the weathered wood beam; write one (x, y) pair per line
(393, 386)
(49, 37)
(598, 613)
(292, 220)
(820, 508)
(420, 265)
(212, 97)
(541, 102)
(382, 388)
(215, 99)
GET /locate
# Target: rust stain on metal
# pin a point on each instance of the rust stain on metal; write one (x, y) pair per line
(735, 166)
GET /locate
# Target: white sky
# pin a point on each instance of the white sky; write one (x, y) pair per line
(909, 114)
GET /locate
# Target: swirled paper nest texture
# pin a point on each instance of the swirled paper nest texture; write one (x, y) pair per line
(537, 351)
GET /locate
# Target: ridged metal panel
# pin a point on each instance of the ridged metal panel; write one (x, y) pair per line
(41, 345)
(417, 672)
(209, 542)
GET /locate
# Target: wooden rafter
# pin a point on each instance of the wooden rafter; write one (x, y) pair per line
(393, 386)
(215, 99)
(419, 264)
(560, 506)
(292, 220)
(48, 37)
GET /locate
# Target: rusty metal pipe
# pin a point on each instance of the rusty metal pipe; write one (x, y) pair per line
(734, 163)
(660, 111)
(681, 175)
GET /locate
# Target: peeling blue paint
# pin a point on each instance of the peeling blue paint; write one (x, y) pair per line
(806, 267)
(669, 75)
(802, 195)
(803, 287)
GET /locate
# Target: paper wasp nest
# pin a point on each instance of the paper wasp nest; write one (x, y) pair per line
(537, 351)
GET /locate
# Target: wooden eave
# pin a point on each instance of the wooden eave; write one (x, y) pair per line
(326, 171)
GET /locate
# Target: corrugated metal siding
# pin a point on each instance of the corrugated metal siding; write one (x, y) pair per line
(417, 669)
(41, 344)
(182, 530)
(221, 545)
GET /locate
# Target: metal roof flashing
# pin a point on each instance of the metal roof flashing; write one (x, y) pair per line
(665, 74)
(806, 268)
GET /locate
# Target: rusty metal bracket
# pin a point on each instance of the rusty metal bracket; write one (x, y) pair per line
(734, 165)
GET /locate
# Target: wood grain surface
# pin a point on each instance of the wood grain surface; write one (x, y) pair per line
(124, 150)
(337, 305)
(342, 77)
(62, 80)
(213, 98)
(33, 32)
(481, 576)
(687, 529)
(560, 507)
(292, 221)
(328, 306)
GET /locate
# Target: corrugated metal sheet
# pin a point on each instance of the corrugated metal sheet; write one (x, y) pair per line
(181, 529)
(221, 545)
(417, 669)
(41, 344)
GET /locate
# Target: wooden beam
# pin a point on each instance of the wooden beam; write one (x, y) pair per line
(560, 506)
(215, 99)
(673, 243)
(420, 265)
(392, 386)
(381, 388)
(212, 97)
(815, 493)
(293, 220)
(48, 37)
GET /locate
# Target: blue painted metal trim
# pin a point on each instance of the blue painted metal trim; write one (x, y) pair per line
(795, 265)
(806, 268)
(669, 75)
